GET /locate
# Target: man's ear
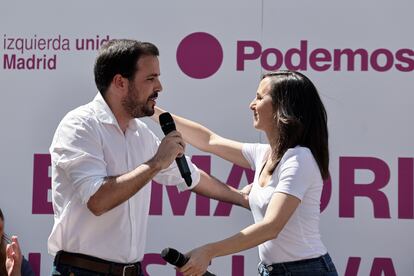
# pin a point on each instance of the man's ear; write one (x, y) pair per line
(120, 83)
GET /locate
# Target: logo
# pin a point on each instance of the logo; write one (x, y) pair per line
(319, 59)
(199, 55)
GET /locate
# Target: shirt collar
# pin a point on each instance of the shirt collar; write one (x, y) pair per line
(133, 125)
(102, 110)
(105, 115)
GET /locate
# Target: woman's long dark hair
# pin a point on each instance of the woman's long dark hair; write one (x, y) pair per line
(300, 117)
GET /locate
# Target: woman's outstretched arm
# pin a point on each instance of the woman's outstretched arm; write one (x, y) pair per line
(206, 140)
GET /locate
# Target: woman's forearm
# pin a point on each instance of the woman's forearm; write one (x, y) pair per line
(192, 132)
(206, 140)
(249, 237)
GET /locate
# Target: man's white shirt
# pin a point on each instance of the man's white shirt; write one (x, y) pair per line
(88, 146)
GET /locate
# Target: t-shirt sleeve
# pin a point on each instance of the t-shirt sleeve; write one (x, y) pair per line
(251, 151)
(297, 172)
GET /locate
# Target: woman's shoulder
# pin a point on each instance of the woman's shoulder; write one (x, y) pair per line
(299, 159)
(255, 153)
(300, 154)
(256, 149)
(258, 146)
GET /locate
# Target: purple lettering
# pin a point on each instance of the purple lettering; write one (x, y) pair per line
(318, 56)
(9, 62)
(350, 54)
(348, 189)
(179, 201)
(278, 59)
(352, 266)
(389, 60)
(302, 54)
(405, 188)
(35, 260)
(156, 199)
(403, 55)
(151, 259)
(41, 185)
(41, 44)
(382, 266)
(237, 265)
(322, 59)
(242, 54)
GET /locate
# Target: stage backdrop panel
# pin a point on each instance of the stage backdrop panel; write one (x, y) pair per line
(359, 55)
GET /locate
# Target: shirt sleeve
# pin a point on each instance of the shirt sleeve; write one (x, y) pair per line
(172, 176)
(296, 173)
(77, 152)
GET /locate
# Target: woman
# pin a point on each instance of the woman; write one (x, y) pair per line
(285, 194)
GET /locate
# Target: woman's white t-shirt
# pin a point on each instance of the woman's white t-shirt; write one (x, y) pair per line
(298, 175)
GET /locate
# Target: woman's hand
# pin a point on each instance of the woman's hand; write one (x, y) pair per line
(157, 112)
(245, 193)
(199, 260)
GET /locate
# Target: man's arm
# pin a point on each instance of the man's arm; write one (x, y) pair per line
(117, 189)
(213, 188)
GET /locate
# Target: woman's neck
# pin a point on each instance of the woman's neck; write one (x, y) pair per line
(273, 141)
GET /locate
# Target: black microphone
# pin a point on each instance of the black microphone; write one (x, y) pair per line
(168, 125)
(177, 259)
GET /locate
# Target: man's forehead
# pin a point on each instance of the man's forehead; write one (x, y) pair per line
(148, 66)
(148, 61)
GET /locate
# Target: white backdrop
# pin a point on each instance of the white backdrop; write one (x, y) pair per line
(359, 55)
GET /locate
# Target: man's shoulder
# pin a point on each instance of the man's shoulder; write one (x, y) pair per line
(83, 113)
(74, 124)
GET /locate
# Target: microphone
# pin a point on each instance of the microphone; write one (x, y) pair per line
(168, 125)
(177, 259)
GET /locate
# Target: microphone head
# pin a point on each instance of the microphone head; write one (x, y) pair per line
(167, 123)
(173, 257)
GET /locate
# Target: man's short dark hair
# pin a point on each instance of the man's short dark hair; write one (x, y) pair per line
(120, 56)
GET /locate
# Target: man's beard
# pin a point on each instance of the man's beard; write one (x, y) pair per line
(135, 109)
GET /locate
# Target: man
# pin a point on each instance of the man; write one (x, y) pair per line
(103, 159)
